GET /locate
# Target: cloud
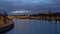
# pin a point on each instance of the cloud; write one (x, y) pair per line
(29, 5)
(20, 11)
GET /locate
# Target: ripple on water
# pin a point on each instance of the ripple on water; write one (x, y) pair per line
(28, 26)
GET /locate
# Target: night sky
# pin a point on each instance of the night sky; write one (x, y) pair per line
(29, 6)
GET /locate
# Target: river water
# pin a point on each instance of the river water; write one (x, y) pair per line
(31, 26)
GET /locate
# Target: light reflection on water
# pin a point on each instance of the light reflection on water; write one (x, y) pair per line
(28, 26)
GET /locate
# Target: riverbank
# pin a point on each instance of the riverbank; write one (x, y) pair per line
(6, 27)
(5, 22)
(47, 15)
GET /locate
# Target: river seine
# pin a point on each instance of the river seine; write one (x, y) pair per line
(31, 26)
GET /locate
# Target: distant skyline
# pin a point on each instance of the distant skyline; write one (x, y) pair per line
(31, 6)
